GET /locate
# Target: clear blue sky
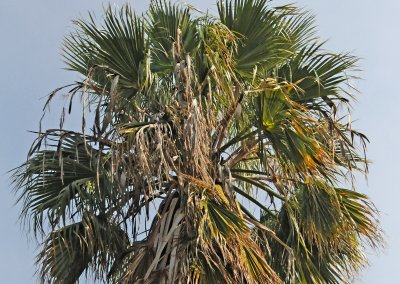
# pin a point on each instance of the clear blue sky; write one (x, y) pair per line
(31, 33)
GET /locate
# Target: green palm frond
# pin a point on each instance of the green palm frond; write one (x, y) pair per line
(118, 47)
(166, 20)
(319, 75)
(61, 181)
(327, 240)
(256, 26)
(72, 249)
(268, 36)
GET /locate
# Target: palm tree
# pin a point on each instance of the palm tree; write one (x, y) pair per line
(220, 152)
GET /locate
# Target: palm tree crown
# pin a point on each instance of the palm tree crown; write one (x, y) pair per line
(219, 153)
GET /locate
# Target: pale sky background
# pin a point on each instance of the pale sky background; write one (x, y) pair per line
(31, 34)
